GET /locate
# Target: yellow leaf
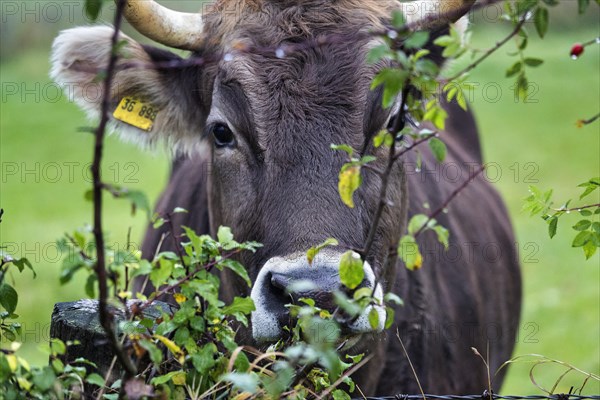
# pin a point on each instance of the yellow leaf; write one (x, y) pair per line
(24, 363)
(418, 261)
(24, 383)
(349, 182)
(173, 348)
(124, 295)
(179, 379)
(179, 298)
(12, 362)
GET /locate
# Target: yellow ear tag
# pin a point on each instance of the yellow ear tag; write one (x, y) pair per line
(136, 112)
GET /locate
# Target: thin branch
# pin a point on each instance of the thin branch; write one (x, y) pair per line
(576, 209)
(176, 242)
(348, 373)
(455, 193)
(582, 122)
(411, 365)
(189, 276)
(490, 51)
(105, 315)
(414, 145)
(397, 127)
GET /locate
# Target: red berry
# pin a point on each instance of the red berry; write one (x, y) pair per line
(577, 50)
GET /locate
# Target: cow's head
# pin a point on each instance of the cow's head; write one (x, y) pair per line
(265, 103)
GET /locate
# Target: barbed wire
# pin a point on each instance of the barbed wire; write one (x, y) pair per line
(486, 396)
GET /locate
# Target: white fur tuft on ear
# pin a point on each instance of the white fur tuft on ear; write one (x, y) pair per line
(80, 56)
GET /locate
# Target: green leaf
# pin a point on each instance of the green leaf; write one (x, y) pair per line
(522, 86)
(382, 137)
(398, 19)
(240, 307)
(349, 181)
(443, 235)
(417, 40)
(582, 225)
(389, 317)
(393, 80)
(393, 298)
(344, 148)
(352, 272)
(93, 8)
(378, 53)
(224, 235)
(44, 379)
(374, 318)
(444, 41)
(582, 238)
(438, 148)
(8, 297)
(90, 285)
(158, 222)
(541, 21)
(552, 227)
(313, 251)
(436, 114)
(162, 379)
(159, 275)
(533, 62)
(363, 292)
(409, 252)
(417, 222)
(514, 69)
(589, 249)
(155, 354)
(583, 5)
(95, 379)
(243, 382)
(22, 263)
(590, 187)
(238, 269)
(348, 306)
(340, 395)
(139, 200)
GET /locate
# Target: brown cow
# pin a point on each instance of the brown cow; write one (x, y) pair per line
(257, 126)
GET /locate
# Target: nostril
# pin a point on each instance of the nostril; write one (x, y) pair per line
(280, 281)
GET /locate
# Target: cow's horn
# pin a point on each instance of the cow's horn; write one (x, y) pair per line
(432, 14)
(171, 28)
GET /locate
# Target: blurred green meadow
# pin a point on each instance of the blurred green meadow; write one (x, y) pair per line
(45, 158)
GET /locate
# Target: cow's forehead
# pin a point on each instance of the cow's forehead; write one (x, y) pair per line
(271, 21)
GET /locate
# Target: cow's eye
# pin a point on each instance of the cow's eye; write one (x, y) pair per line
(223, 135)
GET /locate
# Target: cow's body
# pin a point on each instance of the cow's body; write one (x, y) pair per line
(287, 79)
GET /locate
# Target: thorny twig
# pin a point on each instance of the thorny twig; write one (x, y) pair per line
(394, 130)
(455, 193)
(490, 51)
(105, 315)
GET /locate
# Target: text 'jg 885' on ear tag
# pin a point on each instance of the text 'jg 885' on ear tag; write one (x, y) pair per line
(136, 112)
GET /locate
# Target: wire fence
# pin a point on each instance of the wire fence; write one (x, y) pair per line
(486, 396)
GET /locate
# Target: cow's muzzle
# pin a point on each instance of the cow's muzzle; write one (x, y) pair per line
(284, 280)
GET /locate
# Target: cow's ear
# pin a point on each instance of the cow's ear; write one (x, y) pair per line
(147, 103)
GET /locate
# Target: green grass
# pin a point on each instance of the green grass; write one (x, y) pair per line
(45, 174)
(540, 139)
(562, 294)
